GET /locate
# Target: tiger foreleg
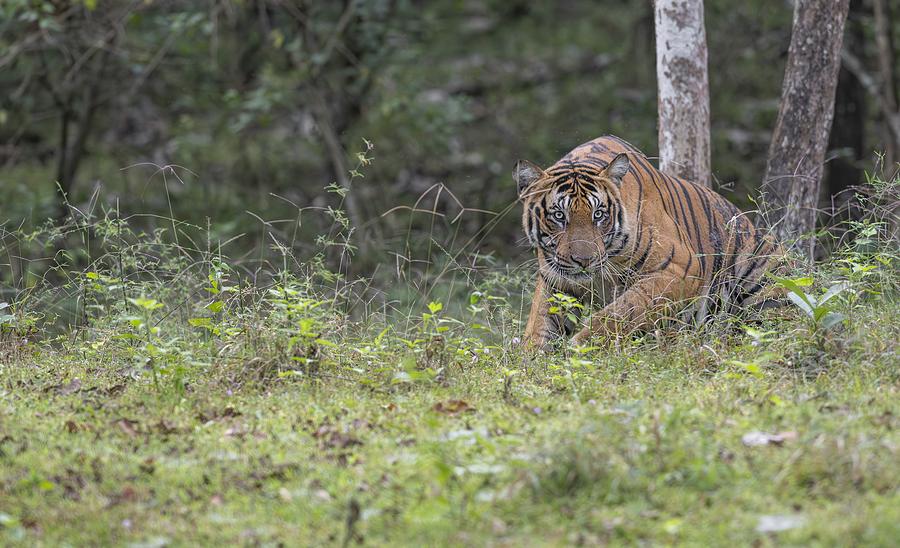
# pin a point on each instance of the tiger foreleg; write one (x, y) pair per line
(648, 299)
(540, 329)
(545, 327)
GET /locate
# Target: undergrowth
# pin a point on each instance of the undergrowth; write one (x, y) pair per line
(154, 391)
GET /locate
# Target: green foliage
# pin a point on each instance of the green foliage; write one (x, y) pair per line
(249, 349)
(265, 435)
(240, 98)
(817, 309)
(566, 306)
(275, 401)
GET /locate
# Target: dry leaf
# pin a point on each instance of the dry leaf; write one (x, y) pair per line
(71, 387)
(331, 438)
(236, 431)
(128, 494)
(148, 466)
(128, 426)
(216, 414)
(452, 407)
(360, 423)
(776, 523)
(757, 439)
(322, 495)
(166, 427)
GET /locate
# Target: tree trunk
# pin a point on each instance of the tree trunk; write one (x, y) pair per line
(683, 89)
(797, 150)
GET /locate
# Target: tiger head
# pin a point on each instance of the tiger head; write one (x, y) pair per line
(572, 213)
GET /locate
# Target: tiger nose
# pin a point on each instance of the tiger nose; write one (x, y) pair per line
(581, 260)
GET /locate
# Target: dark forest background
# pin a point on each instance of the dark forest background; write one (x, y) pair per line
(257, 106)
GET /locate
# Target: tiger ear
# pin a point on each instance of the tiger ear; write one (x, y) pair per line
(525, 173)
(618, 168)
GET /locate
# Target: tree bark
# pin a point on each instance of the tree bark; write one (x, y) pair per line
(683, 86)
(800, 139)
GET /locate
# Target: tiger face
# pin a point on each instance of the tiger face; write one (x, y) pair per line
(573, 216)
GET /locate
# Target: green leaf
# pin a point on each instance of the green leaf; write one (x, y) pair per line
(8, 521)
(277, 38)
(435, 307)
(819, 312)
(91, 5)
(672, 526)
(215, 306)
(833, 291)
(794, 285)
(758, 334)
(200, 322)
(145, 303)
(832, 319)
(801, 301)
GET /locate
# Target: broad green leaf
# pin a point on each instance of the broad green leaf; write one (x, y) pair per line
(145, 303)
(200, 322)
(819, 312)
(801, 301)
(833, 291)
(832, 319)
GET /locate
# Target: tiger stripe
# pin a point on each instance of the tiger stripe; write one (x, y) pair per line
(636, 240)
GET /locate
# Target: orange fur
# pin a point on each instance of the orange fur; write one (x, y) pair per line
(611, 230)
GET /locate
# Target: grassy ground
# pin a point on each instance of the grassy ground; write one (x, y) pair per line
(231, 431)
(157, 396)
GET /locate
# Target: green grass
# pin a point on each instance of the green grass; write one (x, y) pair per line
(151, 394)
(637, 445)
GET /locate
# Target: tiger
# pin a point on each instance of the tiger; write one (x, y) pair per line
(613, 232)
